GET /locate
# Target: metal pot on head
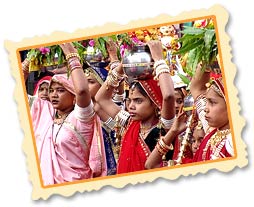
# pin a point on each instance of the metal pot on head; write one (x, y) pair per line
(188, 104)
(138, 63)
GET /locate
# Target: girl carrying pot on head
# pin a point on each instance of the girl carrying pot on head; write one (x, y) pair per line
(150, 111)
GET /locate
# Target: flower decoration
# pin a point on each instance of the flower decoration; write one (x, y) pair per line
(201, 23)
(94, 49)
(45, 56)
(142, 36)
(44, 50)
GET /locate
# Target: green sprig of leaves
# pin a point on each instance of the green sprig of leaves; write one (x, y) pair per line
(201, 46)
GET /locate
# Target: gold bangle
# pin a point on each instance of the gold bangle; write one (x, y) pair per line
(73, 54)
(159, 62)
(25, 65)
(165, 150)
(74, 68)
(159, 150)
(170, 147)
(114, 62)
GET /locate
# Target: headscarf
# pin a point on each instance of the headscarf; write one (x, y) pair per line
(216, 83)
(153, 90)
(98, 72)
(133, 154)
(45, 79)
(65, 81)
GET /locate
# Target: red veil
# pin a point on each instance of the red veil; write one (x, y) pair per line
(134, 151)
(132, 156)
(202, 154)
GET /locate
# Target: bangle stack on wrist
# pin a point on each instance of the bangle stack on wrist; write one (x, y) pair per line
(118, 97)
(25, 65)
(162, 148)
(73, 60)
(71, 55)
(114, 78)
(160, 67)
(114, 64)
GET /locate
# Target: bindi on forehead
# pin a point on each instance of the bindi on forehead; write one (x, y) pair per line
(135, 92)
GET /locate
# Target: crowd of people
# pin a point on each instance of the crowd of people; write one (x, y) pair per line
(90, 122)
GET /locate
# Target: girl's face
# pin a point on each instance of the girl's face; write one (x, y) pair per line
(60, 98)
(140, 107)
(216, 110)
(178, 101)
(43, 91)
(93, 85)
(198, 135)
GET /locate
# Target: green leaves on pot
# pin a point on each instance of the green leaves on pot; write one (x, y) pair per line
(80, 49)
(201, 46)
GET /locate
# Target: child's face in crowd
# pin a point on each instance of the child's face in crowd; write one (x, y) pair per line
(216, 110)
(198, 136)
(43, 91)
(140, 107)
(93, 85)
(178, 101)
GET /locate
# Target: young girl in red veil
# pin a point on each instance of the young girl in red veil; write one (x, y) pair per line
(212, 111)
(208, 92)
(151, 106)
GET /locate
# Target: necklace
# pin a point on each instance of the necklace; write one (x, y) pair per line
(58, 121)
(218, 137)
(216, 143)
(145, 130)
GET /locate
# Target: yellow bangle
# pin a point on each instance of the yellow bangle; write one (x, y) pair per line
(160, 150)
(162, 142)
(73, 54)
(25, 65)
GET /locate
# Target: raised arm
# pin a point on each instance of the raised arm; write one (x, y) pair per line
(25, 68)
(104, 95)
(165, 81)
(200, 78)
(83, 98)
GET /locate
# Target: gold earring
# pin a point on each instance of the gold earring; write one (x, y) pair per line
(157, 112)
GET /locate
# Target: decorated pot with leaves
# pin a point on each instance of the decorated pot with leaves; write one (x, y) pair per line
(93, 55)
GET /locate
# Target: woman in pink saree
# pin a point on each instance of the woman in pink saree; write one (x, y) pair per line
(64, 128)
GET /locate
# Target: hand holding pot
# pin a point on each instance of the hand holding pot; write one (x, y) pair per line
(156, 50)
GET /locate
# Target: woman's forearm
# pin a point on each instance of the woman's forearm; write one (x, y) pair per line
(104, 95)
(83, 98)
(155, 158)
(200, 78)
(167, 90)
